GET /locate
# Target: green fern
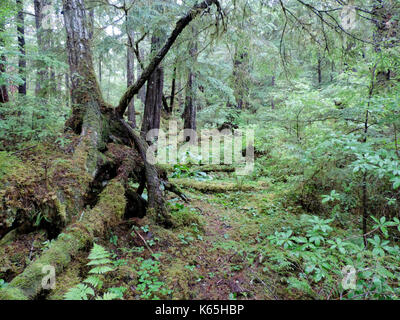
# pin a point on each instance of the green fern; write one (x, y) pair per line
(108, 296)
(101, 270)
(101, 261)
(98, 253)
(94, 281)
(79, 292)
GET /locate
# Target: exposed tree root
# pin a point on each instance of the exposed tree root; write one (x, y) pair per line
(157, 209)
(174, 189)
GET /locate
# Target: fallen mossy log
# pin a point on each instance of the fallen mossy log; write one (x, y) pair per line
(214, 187)
(78, 236)
(213, 168)
(203, 168)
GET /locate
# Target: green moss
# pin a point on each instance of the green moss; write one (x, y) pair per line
(65, 281)
(9, 165)
(61, 209)
(12, 294)
(184, 217)
(8, 238)
(214, 186)
(178, 278)
(109, 210)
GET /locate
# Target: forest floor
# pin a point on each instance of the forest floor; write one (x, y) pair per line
(212, 255)
(215, 252)
(218, 248)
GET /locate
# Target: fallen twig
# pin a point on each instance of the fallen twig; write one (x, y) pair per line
(146, 244)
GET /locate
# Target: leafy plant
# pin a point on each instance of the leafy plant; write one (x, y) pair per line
(149, 284)
(3, 284)
(320, 256)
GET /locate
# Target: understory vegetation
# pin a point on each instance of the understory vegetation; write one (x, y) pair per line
(316, 218)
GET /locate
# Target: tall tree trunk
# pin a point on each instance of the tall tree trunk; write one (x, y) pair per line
(84, 86)
(173, 90)
(386, 33)
(91, 23)
(130, 71)
(319, 69)
(273, 86)
(240, 77)
(42, 35)
(21, 47)
(154, 92)
(189, 114)
(3, 88)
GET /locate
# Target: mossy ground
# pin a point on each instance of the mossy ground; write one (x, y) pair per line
(215, 251)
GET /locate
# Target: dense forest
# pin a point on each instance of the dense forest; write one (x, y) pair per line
(199, 149)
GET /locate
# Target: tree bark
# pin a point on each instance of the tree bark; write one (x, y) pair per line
(42, 35)
(240, 75)
(21, 47)
(189, 114)
(91, 23)
(154, 93)
(173, 90)
(3, 88)
(84, 85)
(130, 72)
(142, 91)
(319, 69)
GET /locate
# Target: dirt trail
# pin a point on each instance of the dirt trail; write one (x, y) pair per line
(222, 272)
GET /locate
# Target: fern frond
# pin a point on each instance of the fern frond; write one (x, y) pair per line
(80, 292)
(101, 270)
(94, 282)
(99, 262)
(98, 252)
(108, 296)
